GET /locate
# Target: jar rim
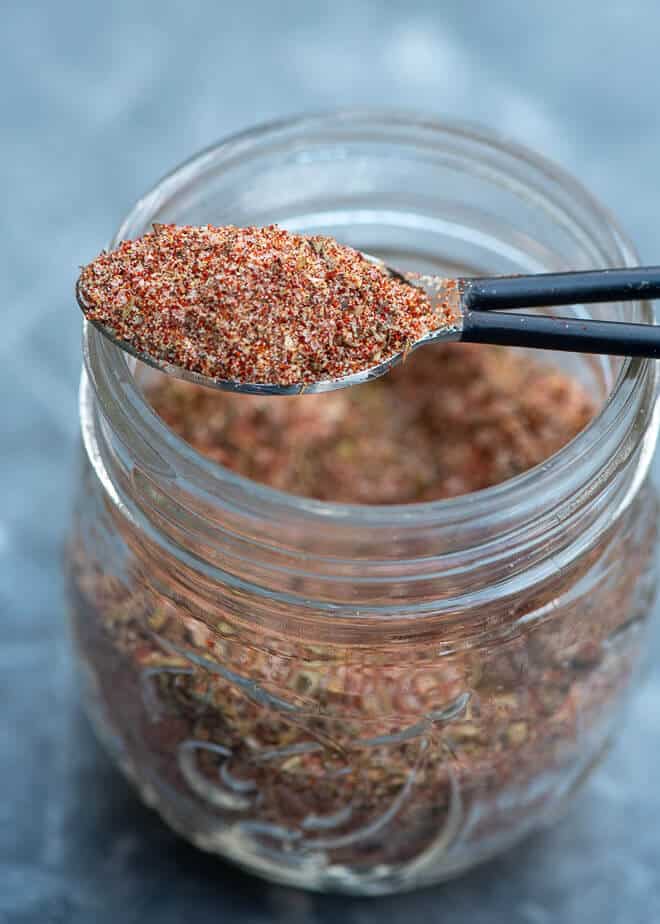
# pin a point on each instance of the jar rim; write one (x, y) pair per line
(520, 490)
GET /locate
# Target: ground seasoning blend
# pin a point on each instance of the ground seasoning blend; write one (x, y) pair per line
(452, 419)
(257, 304)
(372, 697)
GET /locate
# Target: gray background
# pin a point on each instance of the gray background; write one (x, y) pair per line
(97, 100)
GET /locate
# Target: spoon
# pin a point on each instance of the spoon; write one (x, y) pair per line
(482, 320)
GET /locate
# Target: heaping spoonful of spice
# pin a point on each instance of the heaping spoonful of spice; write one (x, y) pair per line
(266, 311)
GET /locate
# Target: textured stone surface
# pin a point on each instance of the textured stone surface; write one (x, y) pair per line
(97, 101)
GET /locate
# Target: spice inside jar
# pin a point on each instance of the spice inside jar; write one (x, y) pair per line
(452, 419)
(308, 768)
(281, 750)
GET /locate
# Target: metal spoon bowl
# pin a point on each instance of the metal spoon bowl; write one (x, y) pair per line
(431, 284)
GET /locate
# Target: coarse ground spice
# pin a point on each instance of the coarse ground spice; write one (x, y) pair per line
(454, 418)
(389, 758)
(257, 305)
(375, 765)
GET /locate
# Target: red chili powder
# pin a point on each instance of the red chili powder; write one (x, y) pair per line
(257, 304)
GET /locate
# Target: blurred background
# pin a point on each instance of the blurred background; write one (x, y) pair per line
(97, 101)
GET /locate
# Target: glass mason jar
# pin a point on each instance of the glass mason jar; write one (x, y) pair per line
(360, 698)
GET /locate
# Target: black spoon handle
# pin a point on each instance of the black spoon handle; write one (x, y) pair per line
(608, 285)
(573, 334)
